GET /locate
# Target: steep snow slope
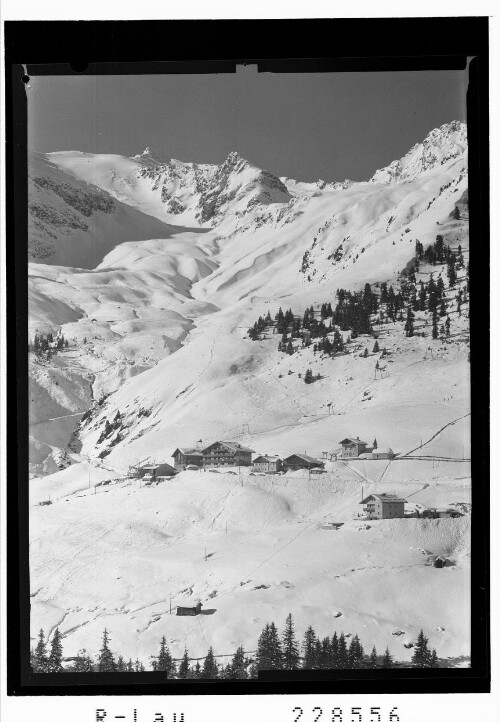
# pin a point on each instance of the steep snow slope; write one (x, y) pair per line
(158, 333)
(71, 222)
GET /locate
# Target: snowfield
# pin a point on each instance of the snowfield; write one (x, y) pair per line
(116, 558)
(154, 272)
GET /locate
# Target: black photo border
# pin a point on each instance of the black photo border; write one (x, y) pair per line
(207, 46)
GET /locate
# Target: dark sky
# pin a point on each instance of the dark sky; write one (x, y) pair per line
(305, 126)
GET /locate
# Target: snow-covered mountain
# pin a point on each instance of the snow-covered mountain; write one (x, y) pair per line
(158, 344)
(177, 192)
(74, 223)
(439, 146)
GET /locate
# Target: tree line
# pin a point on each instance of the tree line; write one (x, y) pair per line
(275, 651)
(45, 346)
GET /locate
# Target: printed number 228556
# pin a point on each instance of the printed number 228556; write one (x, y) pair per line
(337, 714)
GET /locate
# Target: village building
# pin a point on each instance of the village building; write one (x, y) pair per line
(302, 461)
(385, 452)
(151, 470)
(189, 610)
(269, 464)
(384, 506)
(227, 453)
(352, 448)
(187, 457)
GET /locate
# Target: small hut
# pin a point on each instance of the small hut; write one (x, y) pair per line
(190, 610)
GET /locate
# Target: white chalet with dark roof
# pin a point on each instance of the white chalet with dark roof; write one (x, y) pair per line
(384, 506)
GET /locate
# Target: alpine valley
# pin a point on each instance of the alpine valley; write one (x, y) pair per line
(147, 280)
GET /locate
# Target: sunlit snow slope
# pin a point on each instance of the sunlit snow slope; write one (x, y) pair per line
(158, 332)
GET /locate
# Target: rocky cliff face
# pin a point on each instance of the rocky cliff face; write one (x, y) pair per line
(214, 192)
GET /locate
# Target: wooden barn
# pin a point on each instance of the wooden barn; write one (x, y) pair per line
(384, 506)
(226, 453)
(268, 464)
(190, 610)
(302, 461)
(187, 457)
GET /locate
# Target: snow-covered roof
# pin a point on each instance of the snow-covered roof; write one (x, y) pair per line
(383, 497)
(349, 440)
(365, 455)
(267, 458)
(383, 450)
(189, 452)
(231, 445)
(305, 457)
(157, 465)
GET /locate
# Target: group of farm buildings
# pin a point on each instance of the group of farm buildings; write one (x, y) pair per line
(231, 454)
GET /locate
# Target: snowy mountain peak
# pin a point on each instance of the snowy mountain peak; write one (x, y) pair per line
(442, 144)
(235, 159)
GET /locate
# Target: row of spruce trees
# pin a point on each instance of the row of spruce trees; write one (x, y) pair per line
(275, 651)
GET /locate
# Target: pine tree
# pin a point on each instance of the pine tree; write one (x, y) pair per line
(83, 663)
(309, 648)
(275, 647)
(164, 661)
(355, 653)
(308, 376)
(325, 654)
(334, 651)
(343, 658)
(434, 662)
(138, 666)
(376, 347)
(40, 656)
(210, 669)
(421, 654)
(451, 272)
(290, 646)
(365, 353)
(409, 328)
(440, 288)
(442, 309)
(387, 660)
(183, 672)
(263, 655)
(238, 665)
(434, 324)
(106, 661)
(122, 667)
(55, 657)
(373, 658)
(447, 325)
